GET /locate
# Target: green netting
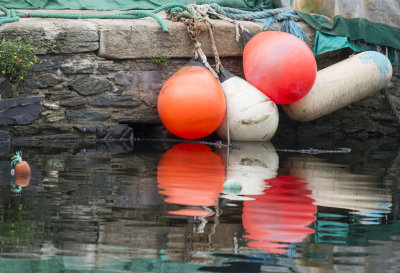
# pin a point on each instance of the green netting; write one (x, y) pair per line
(128, 4)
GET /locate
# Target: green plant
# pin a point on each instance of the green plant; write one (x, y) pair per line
(16, 58)
(160, 59)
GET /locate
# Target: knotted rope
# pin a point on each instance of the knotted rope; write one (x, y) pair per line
(13, 15)
(193, 28)
(201, 11)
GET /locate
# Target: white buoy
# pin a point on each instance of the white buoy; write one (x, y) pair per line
(247, 169)
(341, 84)
(252, 116)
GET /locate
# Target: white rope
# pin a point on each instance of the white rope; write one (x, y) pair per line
(203, 11)
(199, 53)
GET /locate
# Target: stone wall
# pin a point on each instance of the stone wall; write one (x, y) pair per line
(94, 75)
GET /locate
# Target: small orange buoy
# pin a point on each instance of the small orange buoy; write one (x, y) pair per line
(22, 170)
(191, 174)
(21, 166)
(280, 65)
(191, 104)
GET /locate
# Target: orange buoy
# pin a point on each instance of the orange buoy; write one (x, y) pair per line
(191, 104)
(21, 166)
(191, 174)
(280, 65)
(22, 170)
(281, 216)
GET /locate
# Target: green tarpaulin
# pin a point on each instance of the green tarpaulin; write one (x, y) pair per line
(326, 43)
(371, 21)
(127, 4)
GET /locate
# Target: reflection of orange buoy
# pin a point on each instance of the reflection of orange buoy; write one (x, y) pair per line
(280, 216)
(22, 180)
(191, 174)
(280, 65)
(191, 104)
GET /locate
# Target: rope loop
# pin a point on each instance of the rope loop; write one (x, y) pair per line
(8, 16)
(12, 15)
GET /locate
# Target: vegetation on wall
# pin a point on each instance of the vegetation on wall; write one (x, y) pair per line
(16, 58)
(160, 59)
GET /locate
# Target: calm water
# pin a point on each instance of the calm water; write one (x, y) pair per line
(161, 207)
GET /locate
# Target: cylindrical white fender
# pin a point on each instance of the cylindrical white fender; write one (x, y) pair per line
(247, 169)
(252, 116)
(341, 84)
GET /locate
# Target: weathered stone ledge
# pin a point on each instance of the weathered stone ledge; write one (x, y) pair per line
(128, 39)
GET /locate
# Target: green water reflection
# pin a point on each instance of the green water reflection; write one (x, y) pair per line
(161, 207)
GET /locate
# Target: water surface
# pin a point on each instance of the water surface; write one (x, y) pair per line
(163, 207)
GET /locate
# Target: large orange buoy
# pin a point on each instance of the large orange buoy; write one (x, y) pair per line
(281, 216)
(191, 174)
(280, 65)
(191, 104)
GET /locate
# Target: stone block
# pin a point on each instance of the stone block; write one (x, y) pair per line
(41, 81)
(87, 115)
(61, 95)
(105, 66)
(6, 90)
(80, 66)
(87, 85)
(147, 81)
(20, 111)
(47, 63)
(140, 114)
(86, 129)
(53, 116)
(114, 132)
(74, 102)
(150, 99)
(4, 135)
(144, 39)
(55, 36)
(114, 101)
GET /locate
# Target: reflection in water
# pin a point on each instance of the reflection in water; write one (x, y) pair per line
(191, 174)
(280, 216)
(86, 210)
(333, 186)
(249, 167)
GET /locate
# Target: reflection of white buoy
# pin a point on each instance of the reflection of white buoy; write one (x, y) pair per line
(248, 168)
(341, 84)
(334, 186)
(252, 116)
